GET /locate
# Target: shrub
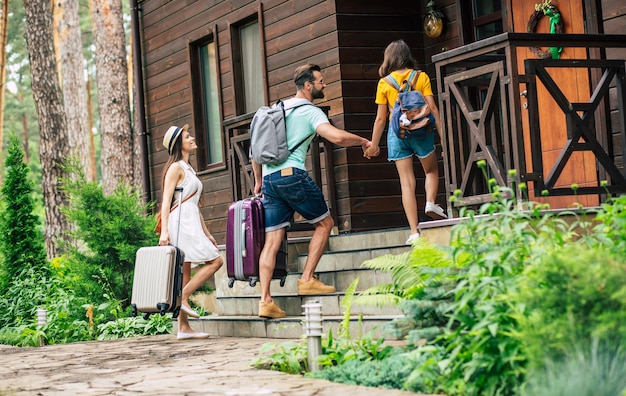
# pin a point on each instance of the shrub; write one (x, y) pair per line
(390, 372)
(598, 371)
(569, 297)
(21, 241)
(109, 230)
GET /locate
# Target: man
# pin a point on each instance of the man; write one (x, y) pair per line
(287, 188)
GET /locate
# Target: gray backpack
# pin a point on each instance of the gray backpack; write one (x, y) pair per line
(268, 133)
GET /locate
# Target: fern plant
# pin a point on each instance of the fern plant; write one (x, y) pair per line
(420, 286)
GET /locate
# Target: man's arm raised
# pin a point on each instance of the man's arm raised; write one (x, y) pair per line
(341, 137)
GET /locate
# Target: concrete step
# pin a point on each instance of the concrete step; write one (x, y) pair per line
(292, 305)
(236, 308)
(287, 328)
(368, 240)
(343, 260)
(341, 279)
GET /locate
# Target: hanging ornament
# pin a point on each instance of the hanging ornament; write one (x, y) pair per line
(556, 26)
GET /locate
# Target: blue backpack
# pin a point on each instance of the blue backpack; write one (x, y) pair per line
(411, 116)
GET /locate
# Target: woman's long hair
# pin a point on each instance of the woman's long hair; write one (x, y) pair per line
(397, 57)
(175, 156)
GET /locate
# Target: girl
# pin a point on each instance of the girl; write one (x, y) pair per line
(399, 63)
(191, 235)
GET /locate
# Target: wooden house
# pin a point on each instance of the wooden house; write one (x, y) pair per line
(211, 64)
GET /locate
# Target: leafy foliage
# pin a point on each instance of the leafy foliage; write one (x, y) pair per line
(21, 241)
(387, 373)
(601, 371)
(133, 326)
(110, 230)
(288, 357)
(572, 297)
(421, 282)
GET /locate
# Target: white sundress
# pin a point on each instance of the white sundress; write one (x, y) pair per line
(192, 241)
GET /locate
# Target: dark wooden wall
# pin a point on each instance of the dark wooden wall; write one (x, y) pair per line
(296, 32)
(614, 22)
(368, 191)
(346, 38)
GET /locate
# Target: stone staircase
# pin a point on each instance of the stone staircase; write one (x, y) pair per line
(235, 309)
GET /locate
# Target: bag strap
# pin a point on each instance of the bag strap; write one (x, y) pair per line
(285, 108)
(184, 200)
(410, 81)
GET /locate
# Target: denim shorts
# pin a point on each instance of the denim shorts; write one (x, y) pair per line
(285, 195)
(398, 149)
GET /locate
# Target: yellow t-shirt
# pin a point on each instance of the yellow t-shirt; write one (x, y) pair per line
(387, 95)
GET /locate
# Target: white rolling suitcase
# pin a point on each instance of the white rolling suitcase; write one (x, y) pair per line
(158, 279)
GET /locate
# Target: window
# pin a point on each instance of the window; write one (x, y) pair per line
(486, 19)
(248, 66)
(206, 103)
(211, 104)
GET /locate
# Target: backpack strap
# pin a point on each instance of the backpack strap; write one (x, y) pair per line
(285, 108)
(410, 81)
(391, 81)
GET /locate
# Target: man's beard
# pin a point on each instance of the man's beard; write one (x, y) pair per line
(317, 93)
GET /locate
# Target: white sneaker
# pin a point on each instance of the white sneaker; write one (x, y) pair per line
(412, 238)
(435, 211)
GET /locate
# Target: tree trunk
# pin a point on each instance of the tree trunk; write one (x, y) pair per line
(4, 27)
(53, 146)
(93, 165)
(116, 155)
(137, 171)
(72, 78)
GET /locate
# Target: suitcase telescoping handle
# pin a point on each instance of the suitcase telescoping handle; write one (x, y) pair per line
(244, 252)
(180, 211)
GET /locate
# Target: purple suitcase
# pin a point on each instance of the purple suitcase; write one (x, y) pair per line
(245, 236)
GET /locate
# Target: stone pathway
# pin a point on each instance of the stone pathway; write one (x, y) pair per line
(157, 365)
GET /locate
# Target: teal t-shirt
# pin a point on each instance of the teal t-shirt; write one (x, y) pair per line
(301, 123)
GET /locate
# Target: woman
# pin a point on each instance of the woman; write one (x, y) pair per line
(399, 63)
(191, 235)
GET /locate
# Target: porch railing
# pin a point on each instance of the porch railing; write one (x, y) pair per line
(480, 99)
(319, 163)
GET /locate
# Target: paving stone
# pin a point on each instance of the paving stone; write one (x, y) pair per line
(157, 365)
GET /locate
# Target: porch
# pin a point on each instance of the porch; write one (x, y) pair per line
(510, 110)
(502, 107)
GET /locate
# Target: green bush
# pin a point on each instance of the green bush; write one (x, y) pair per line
(421, 281)
(498, 311)
(599, 370)
(570, 297)
(288, 357)
(134, 326)
(109, 231)
(21, 241)
(390, 372)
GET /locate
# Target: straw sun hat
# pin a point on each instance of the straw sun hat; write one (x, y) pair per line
(172, 134)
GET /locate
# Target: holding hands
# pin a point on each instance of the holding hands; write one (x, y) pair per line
(371, 151)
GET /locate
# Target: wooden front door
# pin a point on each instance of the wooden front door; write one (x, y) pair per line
(574, 84)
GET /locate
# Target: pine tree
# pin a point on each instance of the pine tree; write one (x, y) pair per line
(21, 241)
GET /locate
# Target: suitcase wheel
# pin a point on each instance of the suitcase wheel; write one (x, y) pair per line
(146, 315)
(175, 313)
(282, 281)
(133, 310)
(231, 282)
(252, 282)
(163, 308)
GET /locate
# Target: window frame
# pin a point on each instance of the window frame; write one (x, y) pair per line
(199, 104)
(237, 61)
(471, 24)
